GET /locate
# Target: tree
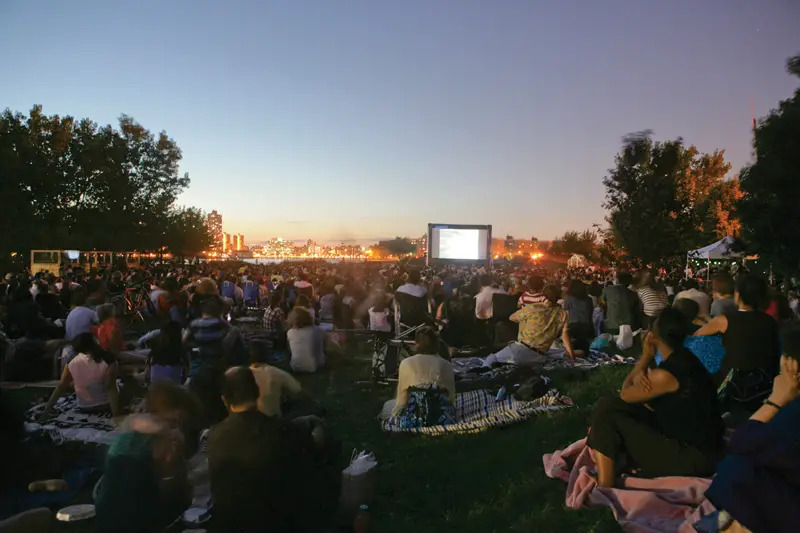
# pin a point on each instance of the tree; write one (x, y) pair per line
(666, 198)
(573, 242)
(188, 234)
(770, 205)
(399, 246)
(71, 184)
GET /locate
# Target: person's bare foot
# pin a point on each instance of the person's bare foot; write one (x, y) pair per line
(48, 485)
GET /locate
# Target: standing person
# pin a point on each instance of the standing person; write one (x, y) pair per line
(653, 298)
(533, 295)
(306, 342)
(666, 421)
(722, 287)
(621, 304)
(274, 320)
(414, 285)
(483, 300)
(257, 463)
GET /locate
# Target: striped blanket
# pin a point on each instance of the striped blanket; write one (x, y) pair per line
(478, 411)
(66, 423)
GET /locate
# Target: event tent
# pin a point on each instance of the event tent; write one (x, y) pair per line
(577, 261)
(722, 249)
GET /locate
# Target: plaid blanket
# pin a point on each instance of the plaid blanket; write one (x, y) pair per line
(556, 359)
(478, 411)
(66, 423)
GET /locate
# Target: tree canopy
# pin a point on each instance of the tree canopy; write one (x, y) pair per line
(399, 246)
(666, 198)
(72, 184)
(574, 242)
(770, 207)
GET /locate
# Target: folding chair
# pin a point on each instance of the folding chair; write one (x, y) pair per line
(251, 295)
(410, 314)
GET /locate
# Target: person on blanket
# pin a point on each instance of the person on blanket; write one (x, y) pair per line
(425, 370)
(666, 421)
(540, 324)
(93, 373)
(757, 485)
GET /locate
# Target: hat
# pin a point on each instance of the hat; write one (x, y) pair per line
(9, 276)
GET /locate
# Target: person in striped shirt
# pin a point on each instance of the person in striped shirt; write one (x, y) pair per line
(652, 295)
(534, 293)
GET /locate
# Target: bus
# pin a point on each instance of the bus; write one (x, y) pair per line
(54, 261)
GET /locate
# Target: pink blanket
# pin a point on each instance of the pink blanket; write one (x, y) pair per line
(661, 505)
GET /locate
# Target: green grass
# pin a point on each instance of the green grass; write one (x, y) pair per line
(492, 481)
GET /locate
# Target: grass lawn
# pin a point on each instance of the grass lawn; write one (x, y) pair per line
(493, 481)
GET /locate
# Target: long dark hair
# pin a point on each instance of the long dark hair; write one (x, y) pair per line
(169, 349)
(86, 343)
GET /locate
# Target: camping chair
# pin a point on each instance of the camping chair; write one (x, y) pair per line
(227, 290)
(251, 295)
(410, 314)
(503, 306)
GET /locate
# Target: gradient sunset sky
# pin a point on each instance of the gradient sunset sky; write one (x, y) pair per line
(358, 120)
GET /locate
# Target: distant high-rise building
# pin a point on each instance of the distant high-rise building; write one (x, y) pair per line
(240, 239)
(227, 243)
(214, 224)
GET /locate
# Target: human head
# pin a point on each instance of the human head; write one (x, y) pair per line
(722, 284)
(427, 340)
(303, 301)
(414, 276)
(625, 279)
(691, 284)
(751, 291)
(213, 307)
(85, 343)
(239, 389)
(78, 295)
(170, 284)
(688, 308)
(670, 328)
(300, 318)
(206, 286)
(485, 280)
(790, 340)
(104, 312)
(275, 299)
(181, 408)
(647, 278)
(552, 293)
(535, 283)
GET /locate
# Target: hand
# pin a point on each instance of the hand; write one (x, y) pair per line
(785, 386)
(642, 380)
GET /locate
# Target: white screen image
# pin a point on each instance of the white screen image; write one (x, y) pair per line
(459, 243)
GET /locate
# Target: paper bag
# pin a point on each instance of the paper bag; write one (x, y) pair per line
(358, 484)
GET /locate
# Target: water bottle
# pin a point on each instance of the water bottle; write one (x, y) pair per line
(361, 522)
(501, 394)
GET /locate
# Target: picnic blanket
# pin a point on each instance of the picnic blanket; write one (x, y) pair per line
(479, 410)
(66, 423)
(480, 377)
(660, 505)
(555, 360)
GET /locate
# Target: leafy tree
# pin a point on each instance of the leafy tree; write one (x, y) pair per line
(666, 198)
(573, 242)
(770, 207)
(72, 184)
(188, 233)
(399, 246)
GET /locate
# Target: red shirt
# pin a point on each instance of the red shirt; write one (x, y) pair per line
(109, 335)
(528, 298)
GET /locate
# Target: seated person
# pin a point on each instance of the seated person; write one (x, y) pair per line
(306, 342)
(692, 292)
(534, 293)
(414, 285)
(666, 421)
(708, 349)
(426, 386)
(758, 483)
(208, 334)
(621, 305)
(274, 319)
(304, 302)
(48, 303)
(168, 359)
(108, 331)
(750, 336)
(145, 484)
(540, 324)
(722, 287)
(81, 318)
(93, 372)
(274, 385)
(580, 308)
(258, 465)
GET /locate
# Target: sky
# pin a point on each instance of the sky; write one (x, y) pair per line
(354, 120)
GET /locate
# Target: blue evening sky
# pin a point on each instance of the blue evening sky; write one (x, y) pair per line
(363, 119)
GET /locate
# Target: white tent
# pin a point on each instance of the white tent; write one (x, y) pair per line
(722, 249)
(577, 261)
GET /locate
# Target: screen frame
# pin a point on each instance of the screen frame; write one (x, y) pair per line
(486, 227)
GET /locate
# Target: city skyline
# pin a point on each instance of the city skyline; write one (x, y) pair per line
(355, 121)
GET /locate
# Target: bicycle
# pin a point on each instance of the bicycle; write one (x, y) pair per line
(132, 305)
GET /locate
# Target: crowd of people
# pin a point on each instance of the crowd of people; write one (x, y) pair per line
(710, 360)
